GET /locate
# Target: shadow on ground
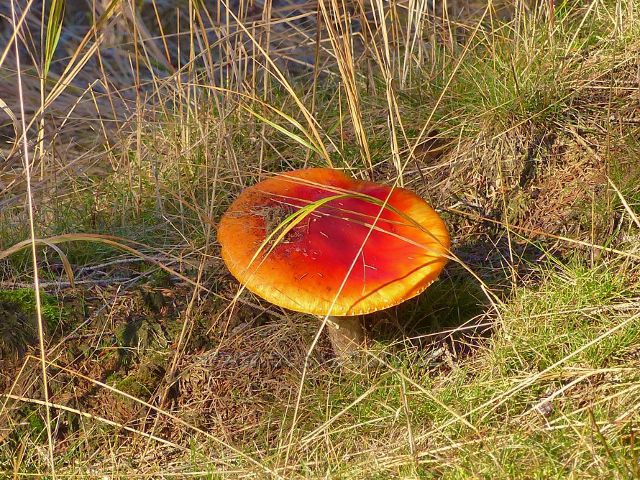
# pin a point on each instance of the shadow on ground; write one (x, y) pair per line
(459, 304)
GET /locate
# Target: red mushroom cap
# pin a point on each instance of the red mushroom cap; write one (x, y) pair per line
(305, 270)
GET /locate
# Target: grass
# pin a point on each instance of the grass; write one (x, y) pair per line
(144, 123)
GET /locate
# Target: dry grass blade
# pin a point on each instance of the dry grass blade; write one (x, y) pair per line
(16, 126)
(629, 210)
(285, 83)
(338, 23)
(34, 258)
(17, 26)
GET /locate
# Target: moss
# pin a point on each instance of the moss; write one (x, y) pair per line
(144, 381)
(18, 328)
(24, 299)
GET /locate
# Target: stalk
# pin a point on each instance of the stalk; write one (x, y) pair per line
(346, 335)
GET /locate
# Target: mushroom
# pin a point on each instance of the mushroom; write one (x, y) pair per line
(320, 242)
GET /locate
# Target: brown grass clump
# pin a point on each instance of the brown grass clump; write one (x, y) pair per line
(242, 385)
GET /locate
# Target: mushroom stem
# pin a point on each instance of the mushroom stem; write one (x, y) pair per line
(346, 335)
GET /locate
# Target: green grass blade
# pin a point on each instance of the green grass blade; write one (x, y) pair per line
(54, 30)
